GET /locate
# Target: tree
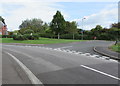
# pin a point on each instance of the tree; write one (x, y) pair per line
(71, 27)
(97, 30)
(28, 31)
(33, 24)
(58, 24)
(115, 25)
(45, 27)
(1, 19)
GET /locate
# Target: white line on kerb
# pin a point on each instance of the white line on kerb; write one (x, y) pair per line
(31, 76)
(100, 72)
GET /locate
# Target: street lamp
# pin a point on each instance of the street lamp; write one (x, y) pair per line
(82, 27)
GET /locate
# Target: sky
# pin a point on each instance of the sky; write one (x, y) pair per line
(99, 12)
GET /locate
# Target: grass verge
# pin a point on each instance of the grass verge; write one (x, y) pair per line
(116, 47)
(40, 41)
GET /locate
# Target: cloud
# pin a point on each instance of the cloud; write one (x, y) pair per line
(104, 18)
(15, 12)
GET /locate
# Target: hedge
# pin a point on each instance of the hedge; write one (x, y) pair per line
(7, 36)
(26, 37)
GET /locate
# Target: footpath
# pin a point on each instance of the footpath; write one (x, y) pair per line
(107, 52)
(12, 72)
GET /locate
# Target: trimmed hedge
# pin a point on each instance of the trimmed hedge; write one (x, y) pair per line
(26, 37)
(47, 35)
(70, 36)
(19, 37)
(7, 36)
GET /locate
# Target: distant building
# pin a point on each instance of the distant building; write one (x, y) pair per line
(3, 29)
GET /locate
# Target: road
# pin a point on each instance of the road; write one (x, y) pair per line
(84, 46)
(54, 66)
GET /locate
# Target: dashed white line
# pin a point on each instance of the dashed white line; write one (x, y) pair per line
(31, 76)
(72, 51)
(99, 72)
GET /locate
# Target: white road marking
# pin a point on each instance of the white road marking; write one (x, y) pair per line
(74, 52)
(100, 72)
(83, 54)
(94, 55)
(31, 76)
(113, 60)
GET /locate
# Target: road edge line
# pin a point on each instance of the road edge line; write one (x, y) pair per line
(31, 76)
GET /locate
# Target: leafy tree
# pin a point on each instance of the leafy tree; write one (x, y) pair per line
(58, 24)
(45, 27)
(97, 30)
(1, 19)
(115, 25)
(33, 24)
(28, 31)
(71, 27)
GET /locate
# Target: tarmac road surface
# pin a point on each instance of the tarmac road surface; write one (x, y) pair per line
(52, 66)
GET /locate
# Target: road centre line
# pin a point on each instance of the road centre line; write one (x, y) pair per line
(31, 76)
(99, 72)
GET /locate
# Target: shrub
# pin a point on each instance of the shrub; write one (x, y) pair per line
(28, 31)
(31, 37)
(19, 37)
(36, 36)
(70, 36)
(26, 37)
(7, 36)
(4, 36)
(47, 35)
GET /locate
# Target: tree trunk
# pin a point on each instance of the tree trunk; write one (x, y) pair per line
(58, 36)
(73, 36)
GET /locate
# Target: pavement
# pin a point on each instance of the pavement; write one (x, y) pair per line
(12, 72)
(107, 52)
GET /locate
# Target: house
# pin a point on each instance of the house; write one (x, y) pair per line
(3, 28)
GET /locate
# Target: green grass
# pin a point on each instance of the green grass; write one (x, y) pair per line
(116, 47)
(40, 41)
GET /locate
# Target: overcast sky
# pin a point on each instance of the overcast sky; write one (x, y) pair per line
(96, 13)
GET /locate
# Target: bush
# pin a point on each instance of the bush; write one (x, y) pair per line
(28, 31)
(4, 36)
(7, 36)
(47, 35)
(31, 37)
(26, 37)
(36, 36)
(19, 37)
(70, 36)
